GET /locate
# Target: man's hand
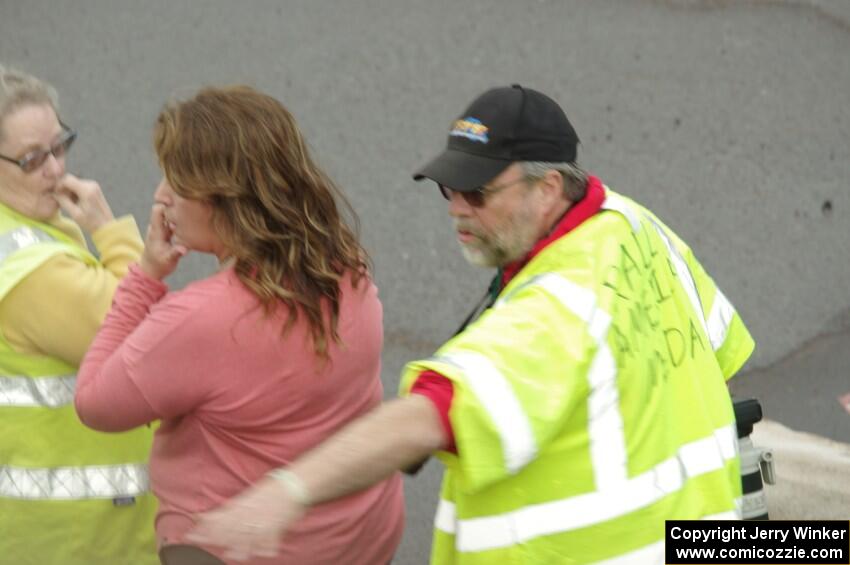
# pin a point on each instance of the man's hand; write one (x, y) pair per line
(84, 202)
(365, 452)
(160, 256)
(251, 524)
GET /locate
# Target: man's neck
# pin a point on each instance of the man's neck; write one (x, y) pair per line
(561, 220)
(554, 217)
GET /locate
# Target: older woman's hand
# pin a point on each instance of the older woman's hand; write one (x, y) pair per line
(250, 524)
(161, 255)
(84, 202)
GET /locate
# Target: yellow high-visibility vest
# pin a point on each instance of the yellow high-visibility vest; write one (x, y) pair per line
(590, 402)
(68, 495)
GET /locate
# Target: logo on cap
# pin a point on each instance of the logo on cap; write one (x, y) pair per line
(470, 128)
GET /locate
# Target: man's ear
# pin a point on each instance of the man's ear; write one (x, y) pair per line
(552, 186)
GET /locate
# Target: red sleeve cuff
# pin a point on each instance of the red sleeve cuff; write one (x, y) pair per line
(440, 391)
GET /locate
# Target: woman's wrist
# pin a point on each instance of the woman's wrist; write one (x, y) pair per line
(149, 269)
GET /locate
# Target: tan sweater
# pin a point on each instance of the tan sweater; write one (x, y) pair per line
(58, 308)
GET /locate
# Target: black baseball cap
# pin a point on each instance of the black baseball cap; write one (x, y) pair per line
(501, 126)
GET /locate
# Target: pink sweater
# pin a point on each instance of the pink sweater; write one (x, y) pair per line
(237, 400)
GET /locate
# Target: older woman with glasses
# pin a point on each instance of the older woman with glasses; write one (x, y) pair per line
(248, 368)
(67, 494)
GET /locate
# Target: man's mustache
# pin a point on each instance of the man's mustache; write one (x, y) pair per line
(460, 225)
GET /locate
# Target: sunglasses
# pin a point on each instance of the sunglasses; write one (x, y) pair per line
(34, 159)
(478, 196)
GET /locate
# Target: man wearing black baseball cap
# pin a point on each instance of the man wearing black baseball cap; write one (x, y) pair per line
(487, 145)
(582, 408)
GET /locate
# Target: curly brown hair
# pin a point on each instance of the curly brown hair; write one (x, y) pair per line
(274, 209)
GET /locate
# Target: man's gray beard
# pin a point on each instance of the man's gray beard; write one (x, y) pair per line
(501, 252)
(518, 237)
(477, 257)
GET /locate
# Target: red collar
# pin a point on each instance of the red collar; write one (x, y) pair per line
(577, 213)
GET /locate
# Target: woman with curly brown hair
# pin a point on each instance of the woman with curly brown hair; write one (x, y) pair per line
(265, 359)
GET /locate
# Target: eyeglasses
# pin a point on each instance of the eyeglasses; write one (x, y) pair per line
(34, 159)
(477, 197)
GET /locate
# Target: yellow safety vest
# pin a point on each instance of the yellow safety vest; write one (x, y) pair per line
(68, 495)
(590, 402)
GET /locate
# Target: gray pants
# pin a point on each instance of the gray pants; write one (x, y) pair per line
(187, 555)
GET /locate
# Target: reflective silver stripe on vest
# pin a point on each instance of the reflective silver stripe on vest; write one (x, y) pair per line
(616, 204)
(653, 554)
(717, 324)
(494, 392)
(19, 238)
(48, 392)
(519, 526)
(51, 392)
(719, 319)
(686, 279)
(73, 483)
(605, 423)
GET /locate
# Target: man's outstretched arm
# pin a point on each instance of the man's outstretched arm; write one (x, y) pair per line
(392, 437)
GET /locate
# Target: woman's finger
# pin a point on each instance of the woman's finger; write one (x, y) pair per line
(92, 210)
(67, 203)
(157, 228)
(73, 187)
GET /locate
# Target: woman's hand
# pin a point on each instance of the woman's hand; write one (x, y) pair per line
(161, 255)
(84, 202)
